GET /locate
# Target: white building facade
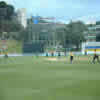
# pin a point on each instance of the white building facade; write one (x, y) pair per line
(22, 17)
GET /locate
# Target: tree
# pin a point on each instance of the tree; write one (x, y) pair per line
(9, 25)
(3, 4)
(74, 33)
(13, 29)
(98, 37)
(10, 11)
(6, 11)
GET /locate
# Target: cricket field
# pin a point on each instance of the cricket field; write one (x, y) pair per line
(43, 78)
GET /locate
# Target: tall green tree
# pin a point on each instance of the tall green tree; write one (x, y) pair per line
(9, 25)
(11, 28)
(6, 11)
(98, 37)
(74, 33)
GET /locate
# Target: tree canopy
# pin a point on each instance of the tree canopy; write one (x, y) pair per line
(72, 34)
(6, 11)
(8, 22)
(98, 37)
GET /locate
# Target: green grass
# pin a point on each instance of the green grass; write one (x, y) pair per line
(31, 78)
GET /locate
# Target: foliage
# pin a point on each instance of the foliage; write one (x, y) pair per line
(11, 28)
(6, 11)
(98, 37)
(74, 33)
(9, 25)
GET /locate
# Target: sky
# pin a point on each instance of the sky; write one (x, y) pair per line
(62, 10)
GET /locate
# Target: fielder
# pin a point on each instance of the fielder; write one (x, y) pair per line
(95, 57)
(71, 57)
